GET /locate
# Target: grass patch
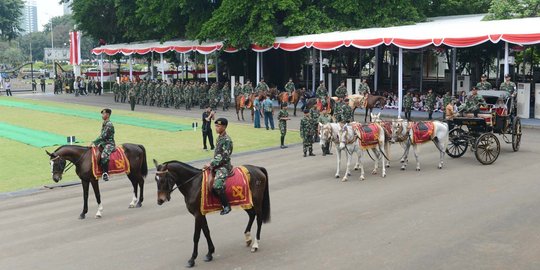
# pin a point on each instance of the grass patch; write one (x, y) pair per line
(25, 166)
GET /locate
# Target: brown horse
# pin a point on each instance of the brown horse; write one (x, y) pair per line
(81, 158)
(272, 93)
(188, 180)
(293, 98)
(356, 101)
(240, 106)
(372, 101)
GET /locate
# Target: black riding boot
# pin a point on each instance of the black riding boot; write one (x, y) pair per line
(283, 142)
(105, 169)
(224, 202)
(311, 152)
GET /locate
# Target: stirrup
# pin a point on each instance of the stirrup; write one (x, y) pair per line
(226, 210)
(105, 177)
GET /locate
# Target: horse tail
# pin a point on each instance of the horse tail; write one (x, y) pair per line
(266, 199)
(144, 166)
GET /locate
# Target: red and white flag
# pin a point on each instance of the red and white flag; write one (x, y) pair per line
(75, 48)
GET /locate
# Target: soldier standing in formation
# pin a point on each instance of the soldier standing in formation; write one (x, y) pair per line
(226, 92)
(221, 163)
(483, 84)
(324, 119)
(283, 117)
(42, 83)
(430, 103)
(307, 132)
(132, 98)
(407, 105)
(341, 91)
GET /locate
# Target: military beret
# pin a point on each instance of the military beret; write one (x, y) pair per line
(306, 111)
(507, 75)
(106, 110)
(221, 121)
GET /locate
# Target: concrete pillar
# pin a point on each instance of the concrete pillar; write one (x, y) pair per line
(400, 82)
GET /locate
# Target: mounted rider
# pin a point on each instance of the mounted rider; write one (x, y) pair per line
(322, 94)
(221, 163)
(105, 140)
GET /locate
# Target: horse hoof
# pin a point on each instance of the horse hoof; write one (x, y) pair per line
(383, 175)
(387, 165)
(402, 168)
(82, 216)
(440, 166)
(98, 216)
(362, 178)
(356, 169)
(417, 169)
(139, 205)
(131, 206)
(254, 249)
(348, 174)
(344, 180)
(208, 258)
(337, 175)
(248, 243)
(374, 172)
(190, 264)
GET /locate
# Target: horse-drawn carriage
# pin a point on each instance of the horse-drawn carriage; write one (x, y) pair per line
(479, 132)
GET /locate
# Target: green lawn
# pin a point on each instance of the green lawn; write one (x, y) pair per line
(25, 166)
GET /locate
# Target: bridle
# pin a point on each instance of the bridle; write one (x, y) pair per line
(66, 168)
(171, 183)
(345, 140)
(401, 135)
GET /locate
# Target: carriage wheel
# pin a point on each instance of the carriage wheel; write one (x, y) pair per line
(457, 143)
(487, 148)
(516, 134)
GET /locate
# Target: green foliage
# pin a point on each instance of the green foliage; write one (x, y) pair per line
(453, 7)
(11, 56)
(508, 9)
(10, 14)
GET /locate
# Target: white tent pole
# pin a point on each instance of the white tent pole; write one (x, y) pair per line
(313, 70)
(400, 82)
(217, 73)
(320, 66)
(421, 68)
(101, 72)
(205, 68)
(262, 66)
(376, 68)
(130, 68)
(506, 68)
(454, 53)
(162, 67)
(152, 65)
(258, 68)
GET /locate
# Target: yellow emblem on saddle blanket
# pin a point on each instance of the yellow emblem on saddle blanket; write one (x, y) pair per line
(236, 188)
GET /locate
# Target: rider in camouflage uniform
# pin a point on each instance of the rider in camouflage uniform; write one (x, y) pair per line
(307, 133)
(221, 163)
(363, 88)
(322, 93)
(106, 141)
(289, 87)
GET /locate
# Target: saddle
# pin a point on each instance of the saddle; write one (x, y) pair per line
(368, 134)
(285, 97)
(237, 191)
(118, 162)
(328, 105)
(422, 132)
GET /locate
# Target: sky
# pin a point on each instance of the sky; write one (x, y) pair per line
(47, 9)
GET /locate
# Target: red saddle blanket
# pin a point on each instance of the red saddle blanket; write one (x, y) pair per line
(387, 126)
(118, 162)
(320, 106)
(285, 97)
(422, 131)
(368, 134)
(236, 188)
(242, 101)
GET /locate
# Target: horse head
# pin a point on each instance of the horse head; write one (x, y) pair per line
(325, 133)
(376, 117)
(398, 129)
(58, 164)
(345, 135)
(165, 183)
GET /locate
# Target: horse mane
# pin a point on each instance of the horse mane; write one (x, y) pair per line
(189, 167)
(68, 145)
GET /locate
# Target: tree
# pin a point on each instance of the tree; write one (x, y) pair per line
(12, 56)
(508, 9)
(10, 13)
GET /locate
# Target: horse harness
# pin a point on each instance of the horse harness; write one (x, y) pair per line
(66, 168)
(171, 185)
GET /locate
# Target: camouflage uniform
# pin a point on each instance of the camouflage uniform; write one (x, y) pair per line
(407, 105)
(306, 133)
(116, 92)
(226, 92)
(509, 87)
(322, 94)
(483, 85)
(341, 92)
(345, 113)
(324, 118)
(283, 113)
(363, 89)
(221, 163)
(237, 90)
(106, 141)
(430, 104)
(132, 98)
(289, 87)
(188, 96)
(472, 104)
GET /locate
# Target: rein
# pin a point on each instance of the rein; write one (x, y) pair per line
(177, 186)
(71, 163)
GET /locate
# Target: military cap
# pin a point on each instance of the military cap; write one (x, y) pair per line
(221, 121)
(306, 111)
(106, 110)
(484, 76)
(507, 75)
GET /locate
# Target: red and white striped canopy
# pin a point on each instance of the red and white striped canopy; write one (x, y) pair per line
(453, 31)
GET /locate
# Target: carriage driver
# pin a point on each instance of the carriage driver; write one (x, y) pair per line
(221, 163)
(105, 140)
(473, 103)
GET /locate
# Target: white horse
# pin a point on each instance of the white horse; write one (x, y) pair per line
(402, 133)
(348, 141)
(376, 148)
(376, 118)
(329, 133)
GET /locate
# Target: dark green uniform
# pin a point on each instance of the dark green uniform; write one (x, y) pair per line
(307, 132)
(509, 87)
(289, 87)
(407, 105)
(221, 163)
(363, 89)
(105, 140)
(430, 104)
(341, 92)
(472, 104)
(322, 94)
(483, 85)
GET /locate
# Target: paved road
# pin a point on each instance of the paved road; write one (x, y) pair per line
(465, 216)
